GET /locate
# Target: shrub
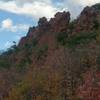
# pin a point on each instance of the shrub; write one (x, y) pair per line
(42, 51)
(30, 46)
(96, 25)
(8, 52)
(23, 63)
(34, 42)
(97, 6)
(72, 25)
(4, 63)
(61, 38)
(20, 91)
(80, 38)
(98, 63)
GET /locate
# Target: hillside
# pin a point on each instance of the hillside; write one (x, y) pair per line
(58, 59)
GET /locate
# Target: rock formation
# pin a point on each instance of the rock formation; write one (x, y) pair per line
(59, 59)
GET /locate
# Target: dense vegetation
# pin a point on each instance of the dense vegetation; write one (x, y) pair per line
(97, 6)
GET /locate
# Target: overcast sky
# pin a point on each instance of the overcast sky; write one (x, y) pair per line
(16, 16)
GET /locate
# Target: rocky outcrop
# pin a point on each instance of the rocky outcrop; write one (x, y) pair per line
(57, 24)
(87, 19)
(84, 20)
(60, 22)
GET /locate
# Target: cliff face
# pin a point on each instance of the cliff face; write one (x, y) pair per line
(60, 23)
(57, 24)
(58, 59)
(87, 19)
